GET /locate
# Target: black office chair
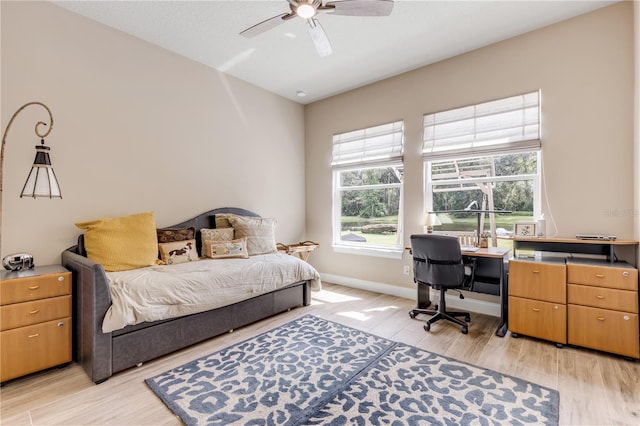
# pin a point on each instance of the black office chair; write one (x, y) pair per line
(438, 262)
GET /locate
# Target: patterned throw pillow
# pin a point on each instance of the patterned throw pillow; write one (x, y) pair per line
(224, 234)
(169, 235)
(122, 243)
(178, 252)
(226, 249)
(260, 233)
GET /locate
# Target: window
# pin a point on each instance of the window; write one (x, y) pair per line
(485, 157)
(367, 181)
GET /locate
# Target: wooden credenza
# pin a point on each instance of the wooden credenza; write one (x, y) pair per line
(35, 320)
(580, 301)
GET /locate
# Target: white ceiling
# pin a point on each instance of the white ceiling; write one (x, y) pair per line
(365, 49)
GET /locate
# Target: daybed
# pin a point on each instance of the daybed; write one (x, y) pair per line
(104, 353)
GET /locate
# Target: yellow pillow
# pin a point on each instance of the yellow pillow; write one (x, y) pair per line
(122, 243)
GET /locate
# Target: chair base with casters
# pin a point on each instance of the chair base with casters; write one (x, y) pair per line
(440, 313)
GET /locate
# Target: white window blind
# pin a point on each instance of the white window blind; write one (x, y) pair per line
(501, 126)
(368, 146)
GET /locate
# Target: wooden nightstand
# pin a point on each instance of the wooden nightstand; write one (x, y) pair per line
(35, 320)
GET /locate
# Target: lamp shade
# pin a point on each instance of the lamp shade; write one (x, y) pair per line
(431, 219)
(42, 181)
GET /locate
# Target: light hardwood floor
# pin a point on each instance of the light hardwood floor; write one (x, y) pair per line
(595, 388)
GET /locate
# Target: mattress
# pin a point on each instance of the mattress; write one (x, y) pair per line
(168, 291)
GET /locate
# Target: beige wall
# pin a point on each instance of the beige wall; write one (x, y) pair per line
(137, 128)
(585, 68)
(636, 15)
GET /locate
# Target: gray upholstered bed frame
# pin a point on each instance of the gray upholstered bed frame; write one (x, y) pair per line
(104, 354)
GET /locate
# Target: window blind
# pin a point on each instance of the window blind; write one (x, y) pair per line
(369, 146)
(500, 126)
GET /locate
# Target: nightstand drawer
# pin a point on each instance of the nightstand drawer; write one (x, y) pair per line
(35, 287)
(36, 347)
(605, 330)
(603, 276)
(33, 312)
(540, 281)
(601, 297)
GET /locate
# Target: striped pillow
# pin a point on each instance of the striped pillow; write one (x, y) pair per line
(260, 233)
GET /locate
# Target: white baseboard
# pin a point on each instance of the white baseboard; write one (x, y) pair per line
(468, 303)
(393, 290)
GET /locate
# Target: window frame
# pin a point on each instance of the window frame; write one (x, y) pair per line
(395, 160)
(473, 145)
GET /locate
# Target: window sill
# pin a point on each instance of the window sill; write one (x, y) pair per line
(369, 251)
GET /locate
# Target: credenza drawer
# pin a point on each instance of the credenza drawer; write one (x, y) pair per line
(538, 319)
(603, 276)
(28, 349)
(540, 281)
(33, 312)
(604, 330)
(601, 297)
(36, 287)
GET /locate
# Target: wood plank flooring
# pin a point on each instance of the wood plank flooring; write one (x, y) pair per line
(595, 388)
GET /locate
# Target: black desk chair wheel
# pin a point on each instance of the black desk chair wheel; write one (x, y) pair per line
(438, 263)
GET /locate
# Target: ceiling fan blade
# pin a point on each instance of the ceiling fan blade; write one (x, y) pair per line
(266, 25)
(319, 37)
(359, 7)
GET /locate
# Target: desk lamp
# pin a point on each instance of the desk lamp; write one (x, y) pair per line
(430, 220)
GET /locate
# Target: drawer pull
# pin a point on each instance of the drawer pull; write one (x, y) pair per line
(601, 318)
(625, 274)
(33, 335)
(35, 311)
(599, 297)
(599, 275)
(34, 287)
(535, 309)
(60, 278)
(535, 271)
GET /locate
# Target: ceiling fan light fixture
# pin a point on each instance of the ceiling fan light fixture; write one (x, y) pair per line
(305, 10)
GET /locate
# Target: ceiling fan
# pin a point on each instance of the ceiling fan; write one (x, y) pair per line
(310, 9)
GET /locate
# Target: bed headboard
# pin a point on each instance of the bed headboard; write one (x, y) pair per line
(203, 220)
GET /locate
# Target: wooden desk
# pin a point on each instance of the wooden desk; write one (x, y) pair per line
(490, 267)
(495, 252)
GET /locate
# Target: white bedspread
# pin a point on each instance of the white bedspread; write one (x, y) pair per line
(168, 291)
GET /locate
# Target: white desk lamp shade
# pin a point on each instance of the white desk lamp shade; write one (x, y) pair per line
(430, 220)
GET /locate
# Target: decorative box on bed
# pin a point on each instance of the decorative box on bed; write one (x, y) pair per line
(104, 353)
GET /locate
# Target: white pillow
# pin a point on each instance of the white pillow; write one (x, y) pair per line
(260, 233)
